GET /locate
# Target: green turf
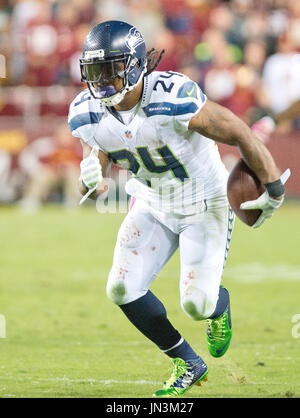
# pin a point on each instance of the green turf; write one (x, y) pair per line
(64, 338)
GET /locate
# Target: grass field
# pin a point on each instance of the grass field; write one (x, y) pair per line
(64, 338)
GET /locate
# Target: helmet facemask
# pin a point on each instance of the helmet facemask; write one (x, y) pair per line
(108, 79)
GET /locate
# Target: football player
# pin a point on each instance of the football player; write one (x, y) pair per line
(163, 129)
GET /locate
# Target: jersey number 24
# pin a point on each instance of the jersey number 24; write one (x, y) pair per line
(170, 161)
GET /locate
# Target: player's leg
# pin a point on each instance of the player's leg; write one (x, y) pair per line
(143, 248)
(203, 251)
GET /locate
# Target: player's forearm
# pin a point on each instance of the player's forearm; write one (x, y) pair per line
(220, 124)
(258, 157)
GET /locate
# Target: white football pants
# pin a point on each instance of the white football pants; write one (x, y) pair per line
(148, 238)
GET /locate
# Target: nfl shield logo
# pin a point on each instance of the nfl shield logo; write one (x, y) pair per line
(128, 134)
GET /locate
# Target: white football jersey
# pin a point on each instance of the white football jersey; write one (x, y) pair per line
(173, 168)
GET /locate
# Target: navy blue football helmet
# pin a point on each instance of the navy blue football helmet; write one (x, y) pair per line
(113, 60)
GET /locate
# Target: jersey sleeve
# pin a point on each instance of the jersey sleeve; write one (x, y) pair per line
(84, 116)
(173, 101)
(189, 101)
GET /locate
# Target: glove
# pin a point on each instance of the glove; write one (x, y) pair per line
(90, 169)
(267, 204)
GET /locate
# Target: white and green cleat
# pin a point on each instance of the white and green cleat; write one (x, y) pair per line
(183, 377)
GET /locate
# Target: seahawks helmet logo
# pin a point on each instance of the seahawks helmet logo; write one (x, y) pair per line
(133, 40)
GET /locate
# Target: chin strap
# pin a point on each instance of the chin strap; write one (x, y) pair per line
(115, 99)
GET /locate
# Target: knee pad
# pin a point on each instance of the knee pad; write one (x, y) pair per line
(197, 303)
(119, 291)
(116, 291)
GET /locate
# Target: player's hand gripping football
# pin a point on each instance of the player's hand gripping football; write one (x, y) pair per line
(91, 172)
(266, 203)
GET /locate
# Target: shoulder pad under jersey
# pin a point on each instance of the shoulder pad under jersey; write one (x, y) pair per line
(85, 113)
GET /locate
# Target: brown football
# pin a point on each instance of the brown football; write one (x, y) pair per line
(244, 185)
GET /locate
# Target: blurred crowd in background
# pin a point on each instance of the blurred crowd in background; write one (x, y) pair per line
(243, 53)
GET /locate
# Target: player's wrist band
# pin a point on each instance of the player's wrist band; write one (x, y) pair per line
(276, 188)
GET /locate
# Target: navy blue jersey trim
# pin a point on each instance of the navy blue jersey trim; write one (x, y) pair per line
(170, 109)
(82, 119)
